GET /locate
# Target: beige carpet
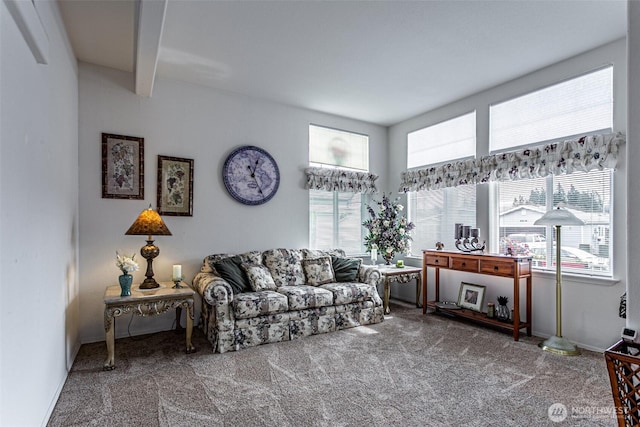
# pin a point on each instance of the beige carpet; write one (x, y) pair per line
(410, 370)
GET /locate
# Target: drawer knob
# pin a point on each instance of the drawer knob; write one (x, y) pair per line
(464, 264)
(495, 268)
(437, 261)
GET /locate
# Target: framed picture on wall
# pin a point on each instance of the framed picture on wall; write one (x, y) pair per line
(175, 186)
(122, 167)
(471, 296)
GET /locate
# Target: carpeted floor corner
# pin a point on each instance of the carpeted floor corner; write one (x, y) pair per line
(410, 370)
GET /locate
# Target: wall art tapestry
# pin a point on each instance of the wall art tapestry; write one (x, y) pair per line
(175, 186)
(122, 167)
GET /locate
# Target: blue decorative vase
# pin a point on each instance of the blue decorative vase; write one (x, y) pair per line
(125, 284)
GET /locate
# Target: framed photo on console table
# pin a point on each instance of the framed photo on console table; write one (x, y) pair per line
(122, 167)
(471, 296)
(175, 186)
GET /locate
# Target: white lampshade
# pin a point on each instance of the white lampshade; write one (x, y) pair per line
(558, 217)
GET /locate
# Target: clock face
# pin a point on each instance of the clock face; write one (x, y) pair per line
(251, 175)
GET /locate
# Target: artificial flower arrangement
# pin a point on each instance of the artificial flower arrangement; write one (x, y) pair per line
(126, 264)
(389, 231)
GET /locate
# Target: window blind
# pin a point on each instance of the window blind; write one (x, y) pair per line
(448, 140)
(577, 106)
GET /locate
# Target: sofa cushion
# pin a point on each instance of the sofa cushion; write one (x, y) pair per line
(318, 271)
(259, 277)
(253, 304)
(315, 253)
(208, 264)
(285, 266)
(348, 292)
(345, 269)
(229, 269)
(301, 297)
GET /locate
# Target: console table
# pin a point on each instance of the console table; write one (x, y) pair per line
(515, 267)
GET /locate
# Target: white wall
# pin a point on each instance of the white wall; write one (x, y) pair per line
(590, 308)
(195, 122)
(38, 220)
(633, 150)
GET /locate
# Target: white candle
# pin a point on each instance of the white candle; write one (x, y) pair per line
(374, 255)
(177, 273)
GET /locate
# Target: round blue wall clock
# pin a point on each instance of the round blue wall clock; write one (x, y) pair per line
(251, 175)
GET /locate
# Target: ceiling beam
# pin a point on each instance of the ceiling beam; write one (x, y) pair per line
(150, 24)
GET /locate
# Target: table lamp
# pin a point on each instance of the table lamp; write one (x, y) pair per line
(149, 223)
(558, 344)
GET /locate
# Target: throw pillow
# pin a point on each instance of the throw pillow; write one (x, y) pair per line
(285, 266)
(229, 269)
(259, 277)
(345, 269)
(318, 270)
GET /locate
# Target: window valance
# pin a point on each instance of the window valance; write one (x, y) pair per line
(580, 154)
(330, 179)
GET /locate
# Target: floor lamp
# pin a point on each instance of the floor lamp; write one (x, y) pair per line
(558, 344)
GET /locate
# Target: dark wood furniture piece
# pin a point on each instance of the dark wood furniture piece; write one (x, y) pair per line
(515, 267)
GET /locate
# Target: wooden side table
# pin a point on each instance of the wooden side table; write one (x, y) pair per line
(146, 302)
(393, 274)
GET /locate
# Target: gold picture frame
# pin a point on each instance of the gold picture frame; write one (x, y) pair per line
(175, 186)
(122, 167)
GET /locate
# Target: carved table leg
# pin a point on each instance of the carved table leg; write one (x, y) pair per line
(418, 289)
(387, 291)
(109, 324)
(190, 347)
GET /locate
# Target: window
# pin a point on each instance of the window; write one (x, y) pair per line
(584, 249)
(435, 213)
(337, 148)
(448, 140)
(580, 105)
(335, 218)
(577, 106)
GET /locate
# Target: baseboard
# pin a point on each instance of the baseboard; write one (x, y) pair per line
(56, 395)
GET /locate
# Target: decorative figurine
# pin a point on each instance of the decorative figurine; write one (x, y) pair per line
(439, 246)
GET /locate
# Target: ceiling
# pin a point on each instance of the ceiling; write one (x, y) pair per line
(378, 61)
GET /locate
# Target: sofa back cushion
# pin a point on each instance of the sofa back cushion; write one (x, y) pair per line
(345, 269)
(318, 271)
(315, 253)
(285, 266)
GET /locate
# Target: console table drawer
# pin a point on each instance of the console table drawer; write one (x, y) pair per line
(437, 261)
(498, 268)
(464, 264)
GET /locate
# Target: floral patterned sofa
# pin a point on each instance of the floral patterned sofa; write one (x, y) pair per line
(283, 294)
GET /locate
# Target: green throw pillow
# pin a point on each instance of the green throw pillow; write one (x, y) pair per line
(345, 269)
(230, 270)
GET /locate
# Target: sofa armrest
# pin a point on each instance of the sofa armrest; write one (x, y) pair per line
(213, 288)
(369, 274)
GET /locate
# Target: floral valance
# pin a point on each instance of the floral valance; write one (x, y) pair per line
(330, 179)
(580, 154)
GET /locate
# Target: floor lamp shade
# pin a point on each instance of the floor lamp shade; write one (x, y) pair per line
(557, 218)
(149, 223)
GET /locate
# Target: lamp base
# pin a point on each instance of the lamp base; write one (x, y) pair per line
(149, 283)
(559, 345)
